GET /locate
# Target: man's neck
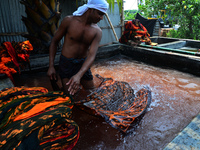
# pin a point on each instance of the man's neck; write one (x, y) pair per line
(85, 18)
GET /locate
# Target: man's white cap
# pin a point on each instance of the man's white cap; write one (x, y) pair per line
(100, 5)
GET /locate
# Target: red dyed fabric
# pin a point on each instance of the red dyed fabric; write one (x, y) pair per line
(8, 71)
(13, 57)
(132, 29)
(12, 53)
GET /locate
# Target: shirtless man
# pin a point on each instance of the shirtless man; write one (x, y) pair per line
(81, 40)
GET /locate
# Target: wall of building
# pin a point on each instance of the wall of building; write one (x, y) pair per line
(11, 25)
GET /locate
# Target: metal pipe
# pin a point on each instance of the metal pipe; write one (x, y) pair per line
(170, 49)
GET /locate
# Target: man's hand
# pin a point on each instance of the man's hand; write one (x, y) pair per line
(52, 73)
(74, 84)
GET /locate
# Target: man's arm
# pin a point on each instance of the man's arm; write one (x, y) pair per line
(53, 47)
(74, 82)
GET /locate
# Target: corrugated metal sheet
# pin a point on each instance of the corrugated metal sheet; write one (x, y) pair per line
(156, 30)
(11, 25)
(107, 33)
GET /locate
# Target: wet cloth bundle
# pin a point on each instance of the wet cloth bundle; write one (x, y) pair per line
(13, 57)
(134, 29)
(100, 5)
(116, 102)
(33, 118)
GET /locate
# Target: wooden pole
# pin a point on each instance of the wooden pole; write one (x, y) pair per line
(112, 27)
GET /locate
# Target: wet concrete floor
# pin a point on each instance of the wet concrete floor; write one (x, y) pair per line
(175, 102)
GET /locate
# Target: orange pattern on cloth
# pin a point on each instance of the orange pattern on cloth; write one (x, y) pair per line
(12, 53)
(8, 71)
(116, 102)
(38, 108)
(13, 57)
(132, 29)
(47, 120)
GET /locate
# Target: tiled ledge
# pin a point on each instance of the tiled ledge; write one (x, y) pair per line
(188, 139)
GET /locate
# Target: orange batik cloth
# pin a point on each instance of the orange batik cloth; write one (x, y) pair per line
(135, 31)
(14, 56)
(116, 102)
(34, 118)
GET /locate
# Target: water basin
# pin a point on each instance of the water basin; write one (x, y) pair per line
(175, 102)
(185, 46)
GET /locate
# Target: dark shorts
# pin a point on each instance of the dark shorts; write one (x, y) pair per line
(70, 66)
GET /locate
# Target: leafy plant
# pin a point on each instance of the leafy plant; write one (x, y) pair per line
(130, 14)
(182, 12)
(112, 4)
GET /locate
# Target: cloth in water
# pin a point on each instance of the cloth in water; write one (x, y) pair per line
(36, 115)
(116, 102)
(100, 5)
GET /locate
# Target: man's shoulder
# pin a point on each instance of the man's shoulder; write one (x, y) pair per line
(96, 27)
(73, 19)
(68, 18)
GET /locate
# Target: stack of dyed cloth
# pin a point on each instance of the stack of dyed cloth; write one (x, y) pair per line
(116, 102)
(34, 119)
(135, 33)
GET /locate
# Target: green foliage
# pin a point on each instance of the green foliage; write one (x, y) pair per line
(174, 34)
(112, 4)
(130, 14)
(183, 12)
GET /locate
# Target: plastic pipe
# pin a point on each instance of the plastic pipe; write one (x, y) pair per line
(170, 49)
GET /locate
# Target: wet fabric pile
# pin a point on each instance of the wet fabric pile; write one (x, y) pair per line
(116, 102)
(135, 31)
(13, 57)
(149, 24)
(34, 118)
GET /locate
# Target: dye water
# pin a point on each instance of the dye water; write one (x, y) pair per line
(175, 102)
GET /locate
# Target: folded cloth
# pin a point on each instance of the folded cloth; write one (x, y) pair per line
(36, 116)
(100, 5)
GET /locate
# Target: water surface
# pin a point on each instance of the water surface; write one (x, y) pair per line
(175, 102)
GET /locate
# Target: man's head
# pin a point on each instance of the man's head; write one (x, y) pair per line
(100, 5)
(95, 15)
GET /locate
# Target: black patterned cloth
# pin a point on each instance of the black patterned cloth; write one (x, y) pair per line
(33, 118)
(116, 102)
